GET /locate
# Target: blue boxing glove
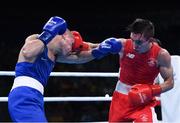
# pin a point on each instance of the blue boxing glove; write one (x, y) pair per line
(97, 54)
(110, 45)
(54, 26)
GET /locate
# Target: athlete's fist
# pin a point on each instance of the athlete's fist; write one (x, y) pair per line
(141, 94)
(79, 44)
(55, 25)
(110, 45)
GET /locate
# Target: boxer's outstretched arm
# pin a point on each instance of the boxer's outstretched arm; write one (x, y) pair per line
(76, 58)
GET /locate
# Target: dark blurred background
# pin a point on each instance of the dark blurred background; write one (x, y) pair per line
(96, 21)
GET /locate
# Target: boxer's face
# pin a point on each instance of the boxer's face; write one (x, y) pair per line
(139, 41)
(65, 42)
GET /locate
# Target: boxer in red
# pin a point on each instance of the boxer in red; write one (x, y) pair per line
(141, 60)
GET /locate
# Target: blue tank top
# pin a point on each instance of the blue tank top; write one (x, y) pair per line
(39, 70)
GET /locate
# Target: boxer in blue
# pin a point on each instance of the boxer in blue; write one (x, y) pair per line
(34, 65)
(35, 62)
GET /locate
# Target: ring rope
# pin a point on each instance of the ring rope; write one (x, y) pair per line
(60, 99)
(71, 74)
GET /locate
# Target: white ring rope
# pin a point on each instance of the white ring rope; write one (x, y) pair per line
(69, 74)
(60, 99)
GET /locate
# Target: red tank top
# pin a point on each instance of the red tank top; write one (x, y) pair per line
(139, 68)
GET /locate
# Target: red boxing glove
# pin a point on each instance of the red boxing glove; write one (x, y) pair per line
(79, 44)
(141, 94)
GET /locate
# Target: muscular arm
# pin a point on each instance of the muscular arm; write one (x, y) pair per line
(82, 57)
(166, 70)
(78, 58)
(31, 49)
